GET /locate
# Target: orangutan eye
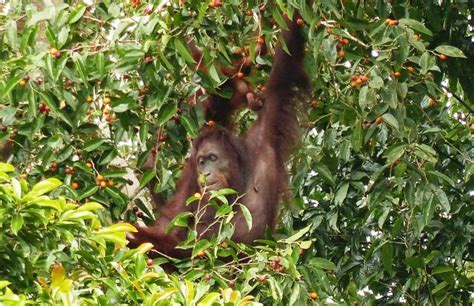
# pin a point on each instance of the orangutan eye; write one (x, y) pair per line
(201, 161)
(212, 157)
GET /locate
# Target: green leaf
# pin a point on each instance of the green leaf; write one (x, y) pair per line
(279, 19)
(247, 216)
(387, 257)
(414, 262)
(100, 64)
(357, 136)
(52, 105)
(181, 220)
(46, 202)
(341, 194)
(76, 14)
(80, 67)
(90, 206)
(425, 62)
(168, 112)
(390, 119)
(442, 269)
(6, 167)
(394, 153)
(189, 126)
(376, 82)
(11, 83)
(440, 287)
(214, 75)
(325, 173)
(183, 51)
(4, 284)
(64, 154)
(425, 152)
(298, 235)
(209, 299)
(89, 191)
(11, 37)
(107, 156)
(93, 144)
(322, 263)
(42, 188)
(450, 51)
(17, 223)
(118, 228)
(144, 133)
(442, 176)
(201, 245)
(469, 172)
(164, 294)
(147, 176)
(416, 25)
(442, 198)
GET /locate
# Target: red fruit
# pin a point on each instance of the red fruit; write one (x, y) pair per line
(69, 170)
(240, 75)
(207, 277)
(313, 296)
(149, 262)
(379, 120)
(148, 59)
(341, 53)
(42, 107)
(260, 41)
(300, 22)
(75, 185)
(103, 184)
(443, 57)
(53, 51)
(148, 10)
(215, 3)
(393, 23)
(314, 104)
(231, 284)
(162, 138)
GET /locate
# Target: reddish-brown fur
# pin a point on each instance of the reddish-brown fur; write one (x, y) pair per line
(258, 158)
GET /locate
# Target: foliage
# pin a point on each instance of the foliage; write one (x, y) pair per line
(382, 181)
(55, 250)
